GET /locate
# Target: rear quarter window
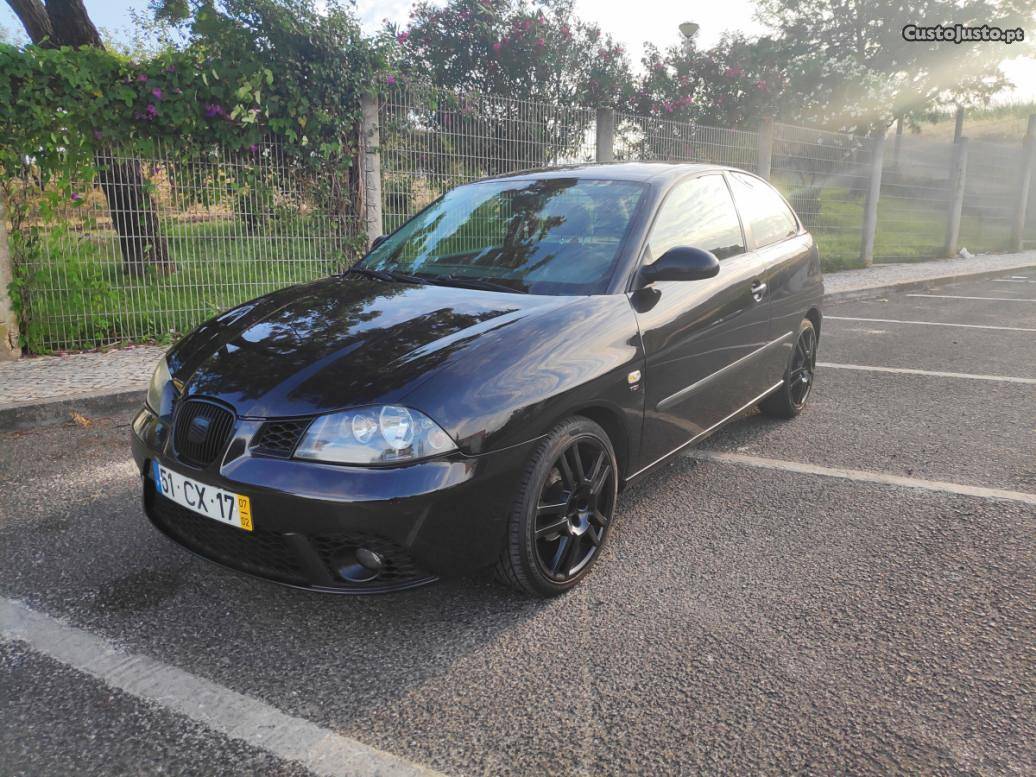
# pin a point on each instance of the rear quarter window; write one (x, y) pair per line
(763, 210)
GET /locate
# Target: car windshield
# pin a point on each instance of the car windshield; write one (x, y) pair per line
(545, 236)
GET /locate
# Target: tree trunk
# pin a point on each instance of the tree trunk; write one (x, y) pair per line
(133, 216)
(66, 23)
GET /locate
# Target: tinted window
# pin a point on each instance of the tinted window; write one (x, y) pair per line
(546, 236)
(766, 215)
(697, 213)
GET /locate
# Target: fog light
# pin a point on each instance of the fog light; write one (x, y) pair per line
(360, 566)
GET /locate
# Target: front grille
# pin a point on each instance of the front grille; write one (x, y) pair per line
(200, 431)
(333, 547)
(279, 438)
(261, 552)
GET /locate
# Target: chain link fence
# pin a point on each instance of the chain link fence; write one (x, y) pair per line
(229, 226)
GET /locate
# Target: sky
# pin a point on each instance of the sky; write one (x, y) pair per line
(630, 23)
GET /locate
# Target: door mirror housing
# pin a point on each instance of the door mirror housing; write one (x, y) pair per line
(682, 263)
(378, 241)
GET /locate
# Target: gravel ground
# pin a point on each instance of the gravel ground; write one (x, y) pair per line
(740, 620)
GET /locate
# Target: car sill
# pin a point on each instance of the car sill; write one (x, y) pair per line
(702, 435)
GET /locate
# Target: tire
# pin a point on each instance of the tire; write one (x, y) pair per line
(563, 511)
(799, 376)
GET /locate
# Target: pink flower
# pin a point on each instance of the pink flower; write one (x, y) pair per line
(253, 148)
(212, 110)
(157, 93)
(566, 31)
(76, 196)
(733, 72)
(142, 77)
(98, 134)
(390, 80)
(497, 46)
(402, 37)
(150, 112)
(760, 85)
(540, 43)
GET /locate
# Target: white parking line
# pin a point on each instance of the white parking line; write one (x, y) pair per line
(864, 476)
(220, 709)
(955, 296)
(1012, 280)
(930, 373)
(930, 323)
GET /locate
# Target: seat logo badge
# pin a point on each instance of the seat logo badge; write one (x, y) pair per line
(633, 379)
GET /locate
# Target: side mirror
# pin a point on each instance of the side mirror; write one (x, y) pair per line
(682, 263)
(377, 241)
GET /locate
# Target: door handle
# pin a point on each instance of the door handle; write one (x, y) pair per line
(758, 290)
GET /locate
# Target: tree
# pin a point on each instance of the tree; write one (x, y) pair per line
(66, 23)
(858, 72)
(520, 49)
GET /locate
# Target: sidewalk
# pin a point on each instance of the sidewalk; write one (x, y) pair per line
(47, 389)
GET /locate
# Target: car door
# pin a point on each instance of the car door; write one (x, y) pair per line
(700, 338)
(790, 269)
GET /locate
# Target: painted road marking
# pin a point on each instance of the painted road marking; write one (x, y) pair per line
(930, 373)
(929, 323)
(220, 709)
(864, 476)
(1013, 280)
(991, 299)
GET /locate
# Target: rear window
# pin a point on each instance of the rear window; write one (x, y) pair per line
(763, 210)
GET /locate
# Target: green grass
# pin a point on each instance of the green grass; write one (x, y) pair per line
(80, 298)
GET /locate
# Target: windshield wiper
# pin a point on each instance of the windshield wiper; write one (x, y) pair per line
(388, 275)
(472, 283)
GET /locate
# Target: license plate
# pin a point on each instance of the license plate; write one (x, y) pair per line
(202, 498)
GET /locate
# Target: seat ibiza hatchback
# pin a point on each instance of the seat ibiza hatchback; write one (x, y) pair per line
(479, 388)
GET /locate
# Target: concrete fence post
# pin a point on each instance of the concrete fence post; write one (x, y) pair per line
(605, 134)
(9, 348)
(370, 153)
(764, 158)
(870, 207)
(958, 175)
(1024, 183)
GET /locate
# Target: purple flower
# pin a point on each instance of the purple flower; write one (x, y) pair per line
(402, 37)
(170, 68)
(212, 110)
(142, 77)
(150, 112)
(390, 80)
(157, 93)
(98, 134)
(254, 148)
(76, 196)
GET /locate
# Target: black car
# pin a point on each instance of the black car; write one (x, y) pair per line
(480, 387)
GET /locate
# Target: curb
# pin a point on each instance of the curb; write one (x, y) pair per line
(29, 415)
(877, 291)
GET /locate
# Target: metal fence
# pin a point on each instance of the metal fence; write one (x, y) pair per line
(214, 231)
(432, 141)
(233, 225)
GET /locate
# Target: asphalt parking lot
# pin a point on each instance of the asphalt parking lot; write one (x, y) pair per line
(850, 592)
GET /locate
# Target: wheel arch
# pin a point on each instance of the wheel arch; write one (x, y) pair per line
(815, 318)
(610, 419)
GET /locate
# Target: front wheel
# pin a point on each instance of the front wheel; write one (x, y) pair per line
(790, 398)
(563, 511)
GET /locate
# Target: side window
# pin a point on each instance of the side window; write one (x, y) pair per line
(766, 215)
(698, 213)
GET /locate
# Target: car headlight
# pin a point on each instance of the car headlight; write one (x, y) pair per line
(160, 391)
(380, 434)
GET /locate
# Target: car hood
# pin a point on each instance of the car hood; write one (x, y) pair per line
(339, 342)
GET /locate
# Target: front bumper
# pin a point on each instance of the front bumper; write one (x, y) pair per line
(435, 518)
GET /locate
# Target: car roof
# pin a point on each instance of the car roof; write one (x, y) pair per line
(655, 172)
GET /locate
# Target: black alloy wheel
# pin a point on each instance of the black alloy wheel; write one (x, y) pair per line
(564, 510)
(790, 398)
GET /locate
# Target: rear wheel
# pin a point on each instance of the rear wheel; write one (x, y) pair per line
(790, 398)
(563, 511)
